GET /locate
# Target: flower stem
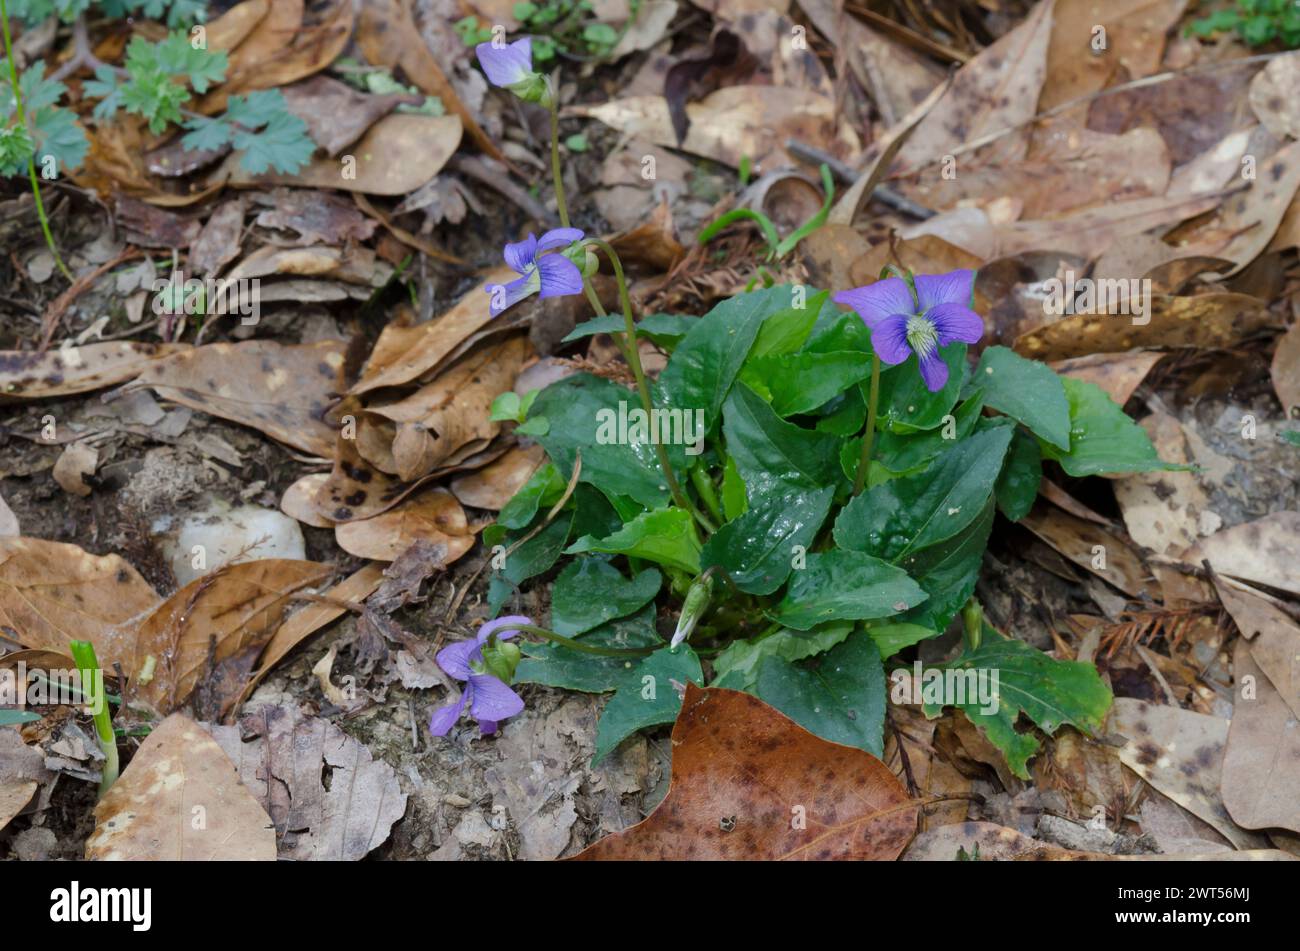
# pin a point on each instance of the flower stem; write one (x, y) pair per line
(31, 161)
(556, 172)
(83, 653)
(864, 460)
(579, 646)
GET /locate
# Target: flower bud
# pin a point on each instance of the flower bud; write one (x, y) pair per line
(693, 608)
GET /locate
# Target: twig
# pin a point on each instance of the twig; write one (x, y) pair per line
(846, 173)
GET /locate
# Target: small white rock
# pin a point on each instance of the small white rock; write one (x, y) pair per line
(220, 535)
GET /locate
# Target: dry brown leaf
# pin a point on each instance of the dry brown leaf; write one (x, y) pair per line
(180, 799)
(353, 265)
(15, 794)
(51, 593)
(1166, 511)
(732, 123)
(221, 620)
(995, 91)
(1119, 374)
(63, 372)
(1261, 766)
(75, 464)
(1273, 634)
(1180, 753)
(219, 242)
(282, 754)
(283, 391)
(1077, 539)
(434, 516)
(336, 114)
(999, 843)
(740, 770)
(388, 36)
(1285, 371)
(496, 483)
(9, 527)
(1207, 321)
(1273, 95)
(1266, 551)
(302, 50)
(299, 500)
(397, 155)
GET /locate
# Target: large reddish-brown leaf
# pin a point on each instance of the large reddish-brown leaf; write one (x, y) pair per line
(749, 783)
(181, 799)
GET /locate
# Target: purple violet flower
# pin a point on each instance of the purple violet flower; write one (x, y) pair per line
(551, 275)
(901, 326)
(490, 700)
(507, 65)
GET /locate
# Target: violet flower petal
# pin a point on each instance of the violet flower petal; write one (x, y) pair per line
(456, 658)
(487, 727)
(493, 700)
(521, 255)
(878, 301)
(444, 718)
(956, 322)
(515, 291)
(507, 65)
(933, 370)
(559, 238)
(955, 287)
(502, 628)
(560, 276)
(889, 339)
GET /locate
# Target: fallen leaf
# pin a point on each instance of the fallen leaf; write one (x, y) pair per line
(318, 219)
(1078, 540)
(180, 799)
(1180, 753)
(63, 372)
(228, 615)
(1266, 551)
(218, 242)
(1272, 95)
(8, 521)
(52, 593)
(496, 483)
(434, 516)
(75, 464)
(299, 500)
(741, 771)
(1261, 766)
(989, 841)
(283, 756)
(1119, 374)
(1285, 370)
(1274, 637)
(283, 391)
(336, 114)
(1166, 511)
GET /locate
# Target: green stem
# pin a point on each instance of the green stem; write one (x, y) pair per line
(31, 161)
(560, 204)
(83, 653)
(579, 646)
(864, 460)
(704, 486)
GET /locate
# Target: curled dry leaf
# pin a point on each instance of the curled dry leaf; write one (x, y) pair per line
(397, 155)
(218, 242)
(283, 756)
(299, 500)
(1273, 98)
(1285, 371)
(63, 372)
(1119, 374)
(178, 773)
(222, 619)
(434, 516)
(232, 27)
(336, 114)
(496, 483)
(1261, 766)
(1206, 320)
(1077, 539)
(283, 391)
(740, 767)
(1266, 551)
(1179, 752)
(1166, 511)
(52, 593)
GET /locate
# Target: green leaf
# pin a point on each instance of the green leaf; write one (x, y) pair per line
(705, 363)
(177, 56)
(757, 549)
(736, 666)
(786, 330)
(282, 144)
(533, 557)
(575, 407)
(558, 666)
(910, 513)
(734, 500)
(903, 453)
(16, 149)
(544, 487)
(905, 403)
(206, 133)
(664, 330)
(14, 717)
(892, 637)
(646, 697)
(1102, 439)
(845, 585)
(591, 591)
(768, 450)
(106, 88)
(59, 135)
(801, 382)
(1290, 435)
(1025, 390)
(1017, 485)
(948, 571)
(666, 536)
(839, 697)
(1050, 692)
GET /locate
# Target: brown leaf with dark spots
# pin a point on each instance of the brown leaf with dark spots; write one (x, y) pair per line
(283, 391)
(496, 483)
(434, 516)
(180, 774)
(748, 783)
(1078, 539)
(317, 217)
(1261, 765)
(219, 242)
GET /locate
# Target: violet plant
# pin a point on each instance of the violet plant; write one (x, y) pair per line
(805, 493)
